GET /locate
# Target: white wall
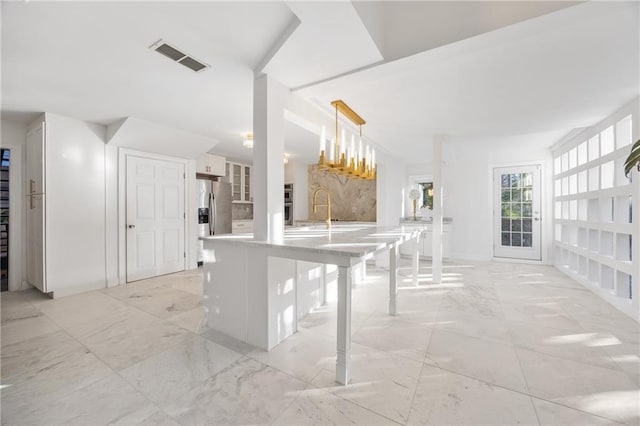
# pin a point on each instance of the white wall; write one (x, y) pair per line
(82, 206)
(296, 172)
(468, 188)
(13, 136)
(390, 193)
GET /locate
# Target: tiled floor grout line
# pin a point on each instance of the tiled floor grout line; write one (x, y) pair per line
(426, 353)
(369, 315)
(526, 383)
(348, 400)
(117, 372)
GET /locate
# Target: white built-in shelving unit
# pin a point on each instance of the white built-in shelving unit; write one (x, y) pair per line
(593, 210)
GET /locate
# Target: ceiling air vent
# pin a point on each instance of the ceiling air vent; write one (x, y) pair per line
(178, 56)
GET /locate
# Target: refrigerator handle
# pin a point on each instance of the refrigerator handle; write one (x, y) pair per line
(215, 212)
(210, 205)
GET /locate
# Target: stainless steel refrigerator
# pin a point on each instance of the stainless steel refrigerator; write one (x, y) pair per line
(214, 210)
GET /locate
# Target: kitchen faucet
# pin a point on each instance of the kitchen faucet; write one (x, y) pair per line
(327, 205)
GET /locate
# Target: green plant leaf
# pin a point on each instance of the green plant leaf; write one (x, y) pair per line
(633, 158)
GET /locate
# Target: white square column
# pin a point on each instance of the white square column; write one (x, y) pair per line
(269, 97)
(438, 192)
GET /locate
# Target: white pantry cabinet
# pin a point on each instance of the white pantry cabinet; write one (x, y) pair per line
(210, 164)
(65, 205)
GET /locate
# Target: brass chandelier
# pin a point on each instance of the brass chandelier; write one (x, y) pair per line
(346, 160)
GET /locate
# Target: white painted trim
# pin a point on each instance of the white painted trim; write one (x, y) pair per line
(464, 256)
(527, 261)
(123, 153)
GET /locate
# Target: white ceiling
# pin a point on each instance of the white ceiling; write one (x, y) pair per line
(404, 28)
(411, 69)
(550, 74)
(91, 60)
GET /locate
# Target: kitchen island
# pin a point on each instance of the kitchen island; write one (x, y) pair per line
(250, 286)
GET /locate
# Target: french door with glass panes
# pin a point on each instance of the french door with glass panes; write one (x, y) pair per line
(517, 212)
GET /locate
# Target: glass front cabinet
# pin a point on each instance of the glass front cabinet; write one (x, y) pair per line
(240, 177)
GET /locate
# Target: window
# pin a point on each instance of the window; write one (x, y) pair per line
(426, 194)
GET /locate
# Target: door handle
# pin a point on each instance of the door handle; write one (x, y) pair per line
(131, 226)
(536, 218)
(32, 184)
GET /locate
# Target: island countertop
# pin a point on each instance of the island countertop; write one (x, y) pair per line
(342, 240)
(252, 288)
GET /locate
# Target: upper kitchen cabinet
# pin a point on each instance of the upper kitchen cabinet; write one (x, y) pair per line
(240, 177)
(210, 164)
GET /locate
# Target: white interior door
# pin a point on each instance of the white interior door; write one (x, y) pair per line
(155, 217)
(517, 212)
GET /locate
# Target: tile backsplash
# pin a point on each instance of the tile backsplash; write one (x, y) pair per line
(242, 211)
(351, 199)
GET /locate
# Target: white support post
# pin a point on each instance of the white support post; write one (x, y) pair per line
(343, 361)
(416, 261)
(436, 251)
(323, 289)
(393, 280)
(269, 98)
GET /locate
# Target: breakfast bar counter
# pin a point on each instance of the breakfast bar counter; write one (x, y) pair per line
(250, 286)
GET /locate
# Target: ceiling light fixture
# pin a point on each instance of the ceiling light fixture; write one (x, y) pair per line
(247, 140)
(346, 160)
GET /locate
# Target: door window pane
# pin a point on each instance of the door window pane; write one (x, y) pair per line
(506, 195)
(526, 209)
(506, 239)
(527, 240)
(527, 225)
(516, 225)
(516, 239)
(516, 210)
(516, 195)
(506, 224)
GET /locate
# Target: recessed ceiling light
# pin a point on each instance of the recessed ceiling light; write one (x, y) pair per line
(178, 56)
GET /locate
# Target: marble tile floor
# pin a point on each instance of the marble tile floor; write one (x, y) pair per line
(494, 344)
